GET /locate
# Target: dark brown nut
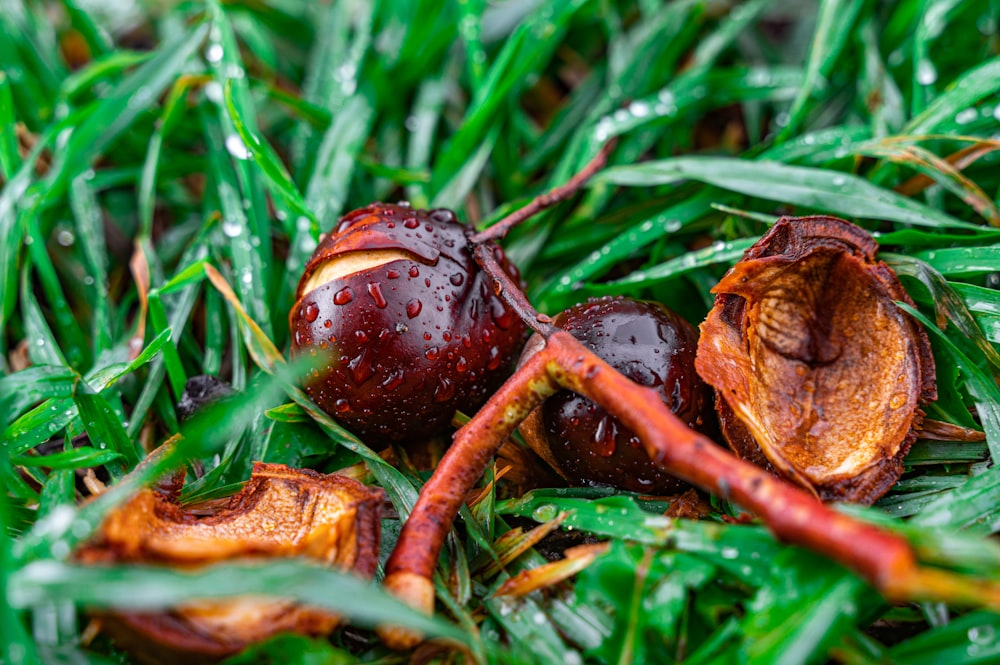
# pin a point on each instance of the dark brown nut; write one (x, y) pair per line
(819, 375)
(649, 344)
(280, 512)
(409, 323)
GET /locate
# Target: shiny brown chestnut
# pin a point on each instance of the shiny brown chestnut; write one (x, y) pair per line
(407, 321)
(649, 344)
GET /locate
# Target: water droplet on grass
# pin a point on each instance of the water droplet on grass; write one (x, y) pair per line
(214, 53)
(236, 147)
(926, 73)
(343, 296)
(231, 228)
(966, 116)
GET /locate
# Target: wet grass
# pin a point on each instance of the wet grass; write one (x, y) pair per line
(167, 170)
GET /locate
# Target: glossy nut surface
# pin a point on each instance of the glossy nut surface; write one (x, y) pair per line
(650, 345)
(408, 323)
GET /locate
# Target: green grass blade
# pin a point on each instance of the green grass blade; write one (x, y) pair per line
(817, 189)
(114, 113)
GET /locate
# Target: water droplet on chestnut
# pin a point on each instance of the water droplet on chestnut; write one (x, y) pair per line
(343, 296)
(443, 215)
(375, 291)
(393, 381)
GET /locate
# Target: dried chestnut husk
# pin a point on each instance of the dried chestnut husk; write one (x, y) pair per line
(819, 375)
(409, 323)
(280, 512)
(649, 344)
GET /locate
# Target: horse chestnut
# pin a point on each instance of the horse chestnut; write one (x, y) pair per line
(409, 323)
(649, 344)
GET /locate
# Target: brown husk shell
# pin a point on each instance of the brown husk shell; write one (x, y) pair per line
(819, 376)
(280, 512)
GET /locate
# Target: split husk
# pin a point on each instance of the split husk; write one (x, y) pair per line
(819, 375)
(280, 512)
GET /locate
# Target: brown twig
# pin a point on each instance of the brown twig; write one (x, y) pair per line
(884, 559)
(505, 288)
(546, 200)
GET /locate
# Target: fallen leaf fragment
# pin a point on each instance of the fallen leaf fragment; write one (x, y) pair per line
(819, 375)
(549, 574)
(280, 512)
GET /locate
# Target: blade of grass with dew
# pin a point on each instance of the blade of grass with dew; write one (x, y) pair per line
(529, 48)
(78, 458)
(975, 84)
(10, 160)
(241, 193)
(136, 93)
(90, 234)
(950, 308)
(985, 307)
(933, 20)
(962, 261)
(689, 87)
(818, 189)
(422, 123)
(148, 588)
(35, 384)
(834, 23)
(265, 157)
(44, 348)
(982, 388)
(18, 214)
(38, 424)
(672, 28)
(332, 72)
(721, 252)
(803, 610)
(101, 70)
(70, 335)
(104, 428)
(326, 192)
(974, 502)
(967, 640)
(599, 261)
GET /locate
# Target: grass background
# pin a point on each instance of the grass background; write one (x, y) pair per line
(166, 171)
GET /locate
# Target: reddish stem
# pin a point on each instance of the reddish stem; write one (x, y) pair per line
(546, 200)
(505, 288)
(792, 514)
(884, 559)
